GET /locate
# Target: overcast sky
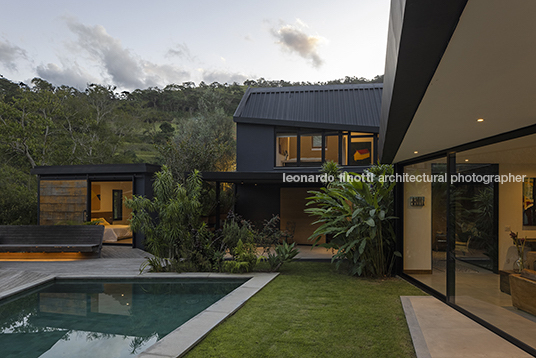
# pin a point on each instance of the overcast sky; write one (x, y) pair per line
(136, 44)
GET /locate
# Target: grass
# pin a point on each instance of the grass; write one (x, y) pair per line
(310, 310)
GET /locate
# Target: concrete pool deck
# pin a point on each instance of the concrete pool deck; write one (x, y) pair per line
(17, 276)
(437, 330)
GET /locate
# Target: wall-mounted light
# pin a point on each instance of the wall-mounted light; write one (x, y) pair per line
(416, 152)
(466, 160)
(480, 120)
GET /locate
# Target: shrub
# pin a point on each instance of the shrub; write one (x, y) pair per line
(359, 216)
(172, 226)
(244, 258)
(239, 237)
(283, 253)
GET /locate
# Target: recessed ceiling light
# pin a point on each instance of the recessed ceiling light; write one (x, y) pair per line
(480, 120)
(416, 152)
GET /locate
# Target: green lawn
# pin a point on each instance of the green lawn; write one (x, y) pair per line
(310, 310)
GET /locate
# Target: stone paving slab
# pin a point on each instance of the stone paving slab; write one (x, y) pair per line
(184, 338)
(439, 331)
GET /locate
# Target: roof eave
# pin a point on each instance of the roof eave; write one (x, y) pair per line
(419, 33)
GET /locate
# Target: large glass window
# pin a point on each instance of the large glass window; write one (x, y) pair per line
(332, 147)
(107, 201)
(311, 149)
(484, 261)
(488, 281)
(286, 149)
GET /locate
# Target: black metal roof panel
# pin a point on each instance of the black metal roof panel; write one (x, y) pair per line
(96, 169)
(331, 106)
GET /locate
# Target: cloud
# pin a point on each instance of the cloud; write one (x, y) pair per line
(10, 53)
(295, 40)
(162, 75)
(219, 76)
(124, 68)
(72, 75)
(181, 51)
(121, 65)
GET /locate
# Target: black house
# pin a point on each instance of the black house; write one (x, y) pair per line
(458, 104)
(283, 137)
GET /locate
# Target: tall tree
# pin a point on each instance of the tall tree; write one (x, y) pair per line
(205, 142)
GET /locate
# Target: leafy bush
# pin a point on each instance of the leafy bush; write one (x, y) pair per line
(172, 226)
(239, 237)
(359, 216)
(237, 229)
(283, 253)
(331, 169)
(245, 258)
(270, 234)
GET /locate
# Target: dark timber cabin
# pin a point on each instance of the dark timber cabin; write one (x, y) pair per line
(74, 194)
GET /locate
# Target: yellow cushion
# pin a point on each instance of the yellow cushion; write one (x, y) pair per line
(102, 221)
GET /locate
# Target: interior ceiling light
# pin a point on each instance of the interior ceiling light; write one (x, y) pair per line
(480, 120)
(416, 152)
(466, 160)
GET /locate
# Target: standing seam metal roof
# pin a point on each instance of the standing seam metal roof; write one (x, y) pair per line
(348, 105)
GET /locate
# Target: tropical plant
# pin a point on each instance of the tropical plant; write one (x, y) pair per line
(284, 252)
(237, 229)
(270, 234)
(359, 217)
(172, 226)
(244, 258)
(238, 236)
(331, 170)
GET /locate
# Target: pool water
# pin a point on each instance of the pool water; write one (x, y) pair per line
(102, 318)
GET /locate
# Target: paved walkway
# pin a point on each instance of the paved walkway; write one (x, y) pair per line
(439, 331)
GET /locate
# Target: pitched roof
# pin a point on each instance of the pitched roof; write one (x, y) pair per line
(343, 107)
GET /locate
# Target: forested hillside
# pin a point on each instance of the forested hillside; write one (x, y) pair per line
(186, 126)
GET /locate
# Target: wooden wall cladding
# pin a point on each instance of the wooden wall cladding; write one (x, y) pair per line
(62, 201)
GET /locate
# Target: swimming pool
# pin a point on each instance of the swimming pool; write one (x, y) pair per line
(103, 318)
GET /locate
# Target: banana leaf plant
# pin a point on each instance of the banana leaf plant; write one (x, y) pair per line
(358, 217)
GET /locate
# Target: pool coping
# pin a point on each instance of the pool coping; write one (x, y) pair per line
(185, 337)
(182, 339)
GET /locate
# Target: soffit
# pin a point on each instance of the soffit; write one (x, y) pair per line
(487, 72)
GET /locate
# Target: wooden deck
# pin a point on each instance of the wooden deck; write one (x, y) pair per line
(120, 252)
(115, 262)
(14, 281)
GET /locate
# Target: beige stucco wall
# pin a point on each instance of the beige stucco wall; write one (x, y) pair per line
(418, 222)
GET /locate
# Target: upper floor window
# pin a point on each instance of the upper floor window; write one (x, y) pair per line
(311, 149)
